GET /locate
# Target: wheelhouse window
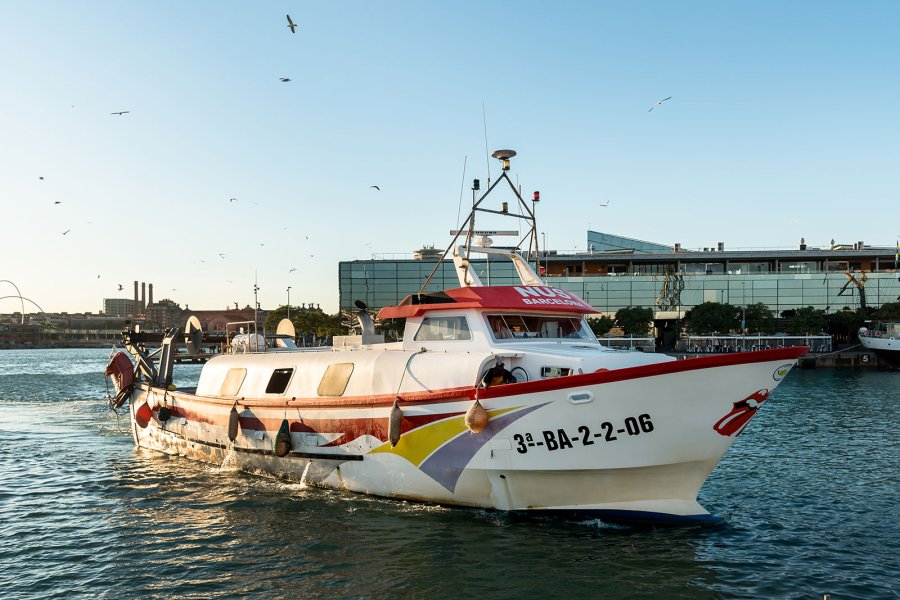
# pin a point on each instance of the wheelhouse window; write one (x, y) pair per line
(441, 329)
(335, 379)
(232, 383)
(279, 381)
(544, 327)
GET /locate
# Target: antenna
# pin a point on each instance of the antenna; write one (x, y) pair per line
(462, 184)
(486, 152)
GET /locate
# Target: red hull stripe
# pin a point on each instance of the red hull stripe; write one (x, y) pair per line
(513, 389)
(666, 368)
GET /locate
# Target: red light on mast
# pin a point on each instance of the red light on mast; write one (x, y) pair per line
(537, 197)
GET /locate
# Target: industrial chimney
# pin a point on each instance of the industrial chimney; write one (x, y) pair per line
(143, 296)
(150, 295)
(136, 310)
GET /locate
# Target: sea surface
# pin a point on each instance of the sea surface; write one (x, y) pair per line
(808, 502)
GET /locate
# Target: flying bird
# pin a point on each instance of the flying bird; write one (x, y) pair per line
(41, 177)
(375, 186)
(120, 287)
(284, 79)
(605, 204)
(232, 199)
(292, 270)
(121, 112)
(98, 277)
(658, 102)
(291, 24)
(221, 255)
(66, 231)
(58, 202)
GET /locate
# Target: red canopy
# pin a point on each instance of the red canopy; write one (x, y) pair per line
(520, 298)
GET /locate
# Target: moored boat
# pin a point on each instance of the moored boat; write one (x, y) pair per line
(496, 397)
(884, 340)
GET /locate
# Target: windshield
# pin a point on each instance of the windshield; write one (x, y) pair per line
(539, 327)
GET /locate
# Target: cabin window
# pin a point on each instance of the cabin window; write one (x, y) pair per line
(439, 329)
(233, 380)
(549, 372)
(279, 381)
(521, 327)
(335, 379)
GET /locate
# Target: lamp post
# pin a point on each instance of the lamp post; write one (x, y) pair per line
(544, 246)
(289, 303)
(255, 306)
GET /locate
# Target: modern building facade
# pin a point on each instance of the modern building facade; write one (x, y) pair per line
(619, 272)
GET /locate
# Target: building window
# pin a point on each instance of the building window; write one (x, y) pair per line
(335, 379)
(799, 267)
(439, 329)
(279, 381)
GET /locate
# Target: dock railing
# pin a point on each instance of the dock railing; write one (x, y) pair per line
(708, 344)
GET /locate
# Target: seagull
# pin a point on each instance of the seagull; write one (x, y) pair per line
(58, 202)
(658, 102)
(121, 112)
(41, 177)
(98, 277)
(605, 204)
(120, 287)
(232, 199)
(291, 24)
(375, 186)
(292, 270)
(221, 255)
(66, 231)
(284, 79)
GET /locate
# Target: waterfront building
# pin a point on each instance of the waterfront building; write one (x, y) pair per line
(118, 307)
(618, 272)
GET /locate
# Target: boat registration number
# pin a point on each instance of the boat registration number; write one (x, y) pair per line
(560, 439)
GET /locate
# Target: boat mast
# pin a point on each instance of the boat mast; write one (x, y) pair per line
(527, 214)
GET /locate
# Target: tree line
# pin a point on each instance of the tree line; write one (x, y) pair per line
(723, 318)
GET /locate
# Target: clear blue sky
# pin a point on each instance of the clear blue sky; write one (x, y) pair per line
(783, 124)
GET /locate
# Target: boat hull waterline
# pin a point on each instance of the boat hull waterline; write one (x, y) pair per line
(631, 443)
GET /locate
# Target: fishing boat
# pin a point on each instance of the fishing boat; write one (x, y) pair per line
(884, 340)
(497, 397)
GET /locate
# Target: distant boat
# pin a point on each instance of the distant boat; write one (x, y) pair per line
(884, 340)
(497, 397)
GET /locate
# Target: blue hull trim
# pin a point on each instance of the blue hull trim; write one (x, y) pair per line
(628, 517)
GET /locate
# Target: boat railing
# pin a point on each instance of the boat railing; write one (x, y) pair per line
(644, 344)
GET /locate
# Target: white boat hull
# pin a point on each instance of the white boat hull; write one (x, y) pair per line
(633, 443)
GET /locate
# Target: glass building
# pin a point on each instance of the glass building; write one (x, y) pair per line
(619, 272)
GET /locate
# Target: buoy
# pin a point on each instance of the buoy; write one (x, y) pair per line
(163, 414)
(142, 415)
(476, 417)
(394, 423)
(233, 422)
(283, 439)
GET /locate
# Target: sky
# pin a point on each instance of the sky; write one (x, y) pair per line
(782, 124)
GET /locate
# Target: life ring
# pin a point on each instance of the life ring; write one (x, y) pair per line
(121, 371)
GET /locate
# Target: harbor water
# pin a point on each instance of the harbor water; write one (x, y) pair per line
(807, 501)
